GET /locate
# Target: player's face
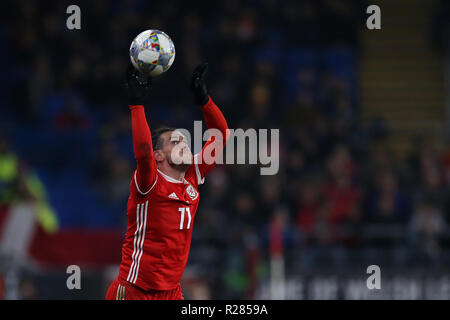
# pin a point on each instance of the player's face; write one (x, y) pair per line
(176, 149)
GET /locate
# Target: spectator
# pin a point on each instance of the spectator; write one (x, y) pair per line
(340, 192)
(427, 226)
(387, 203)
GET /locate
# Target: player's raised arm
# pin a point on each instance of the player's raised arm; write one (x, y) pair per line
(145, 175)
(214, 120)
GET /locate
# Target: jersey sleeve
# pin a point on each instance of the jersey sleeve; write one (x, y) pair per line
(206, 159)
(145, 175)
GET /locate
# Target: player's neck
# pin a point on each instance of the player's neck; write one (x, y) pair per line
(170, 171)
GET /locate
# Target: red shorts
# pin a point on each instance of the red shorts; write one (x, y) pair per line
(126, 291)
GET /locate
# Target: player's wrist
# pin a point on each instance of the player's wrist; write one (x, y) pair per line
(206, 102)
(135, 106)
(203, 100)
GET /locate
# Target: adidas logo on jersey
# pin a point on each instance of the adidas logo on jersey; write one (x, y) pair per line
(173, 196)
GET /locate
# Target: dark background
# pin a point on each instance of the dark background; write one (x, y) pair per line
(348, 193)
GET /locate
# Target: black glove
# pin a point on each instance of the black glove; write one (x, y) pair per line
(198, 84)
(137, 85)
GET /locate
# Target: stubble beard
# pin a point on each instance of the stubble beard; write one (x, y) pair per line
(183, 167)
(180, 167)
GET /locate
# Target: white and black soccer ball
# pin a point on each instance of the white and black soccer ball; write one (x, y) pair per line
(152, 52)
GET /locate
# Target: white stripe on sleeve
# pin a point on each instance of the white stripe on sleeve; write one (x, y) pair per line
(137, 187)
(200, 180)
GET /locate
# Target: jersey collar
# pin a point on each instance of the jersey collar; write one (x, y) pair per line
(170, 179)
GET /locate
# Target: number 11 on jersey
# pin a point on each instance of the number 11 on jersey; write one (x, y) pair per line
(182, 210)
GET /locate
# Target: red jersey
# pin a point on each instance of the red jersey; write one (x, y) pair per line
(161, 210)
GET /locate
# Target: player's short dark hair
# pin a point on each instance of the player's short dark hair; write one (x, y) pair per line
(156, 135)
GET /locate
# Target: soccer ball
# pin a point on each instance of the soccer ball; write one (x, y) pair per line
(152, 52)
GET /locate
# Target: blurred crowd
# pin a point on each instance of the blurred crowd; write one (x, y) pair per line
(341, 196)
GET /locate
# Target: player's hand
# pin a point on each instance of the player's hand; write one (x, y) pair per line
(198, 84)
(137, 85)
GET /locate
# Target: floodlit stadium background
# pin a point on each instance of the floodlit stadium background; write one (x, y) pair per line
(365, 160)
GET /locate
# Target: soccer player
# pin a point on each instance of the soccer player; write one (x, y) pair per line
(163, 197)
